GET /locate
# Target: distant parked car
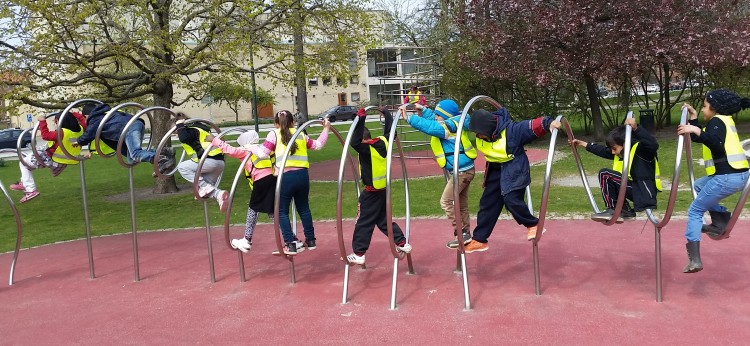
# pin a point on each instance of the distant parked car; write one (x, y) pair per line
(9, 138)
(340, 113)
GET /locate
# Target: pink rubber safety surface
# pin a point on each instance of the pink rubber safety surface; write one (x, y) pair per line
(598, 287)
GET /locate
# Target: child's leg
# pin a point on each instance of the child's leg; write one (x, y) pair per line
(252, 220)
(133, 140)
(285, 200)
(610, 182)
(301, 202)
(27, 178)
(369, 211)
(490, 205)
(713, 190)
(464, 181)
(516, 205)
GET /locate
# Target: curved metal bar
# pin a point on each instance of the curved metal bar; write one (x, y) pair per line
(547, 180)
(162, 144)
(346, 157)
(456, 200)
(34, 152)
(279, 179)
(130, 123)
(110, 113)
(232, 190)
(389, 207)
(19, 233)
(65, 113)
(681, 139)
(196, 194)
(625, 170)
(579, 163)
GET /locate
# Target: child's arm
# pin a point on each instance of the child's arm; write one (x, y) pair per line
(358, 134)
(89, 134)
(319, 143)
(237, 153)
(427, 124)
(648, 143)
(81, 119)
(47, 135)
(264, 150)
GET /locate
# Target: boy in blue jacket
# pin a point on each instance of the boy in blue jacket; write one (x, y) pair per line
(111, 135)
(442, 124)
(506, 176)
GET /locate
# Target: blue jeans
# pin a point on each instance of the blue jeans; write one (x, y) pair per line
(295, 185)
(133, 140)
(711, 190)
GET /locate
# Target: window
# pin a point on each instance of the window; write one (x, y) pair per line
(327, 80)
(312, 81)
(355, 97)
(354, 79)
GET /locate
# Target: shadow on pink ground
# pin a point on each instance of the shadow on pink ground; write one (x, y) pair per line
(597, 288)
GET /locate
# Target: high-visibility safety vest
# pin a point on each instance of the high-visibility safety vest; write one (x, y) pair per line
(259, 163)
(204, 144)
(495, 151)
(378, 166)
(440, 155)
(69, 137)
(299, 158)
(735, 154)
(618, 163)
(414, 97)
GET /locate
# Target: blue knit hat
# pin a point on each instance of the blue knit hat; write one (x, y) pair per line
(447, 109)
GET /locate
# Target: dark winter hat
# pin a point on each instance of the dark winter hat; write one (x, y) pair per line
(483, 122)
(447, 109)
(724, 101)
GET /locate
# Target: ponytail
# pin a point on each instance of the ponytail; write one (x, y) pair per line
(284, 119)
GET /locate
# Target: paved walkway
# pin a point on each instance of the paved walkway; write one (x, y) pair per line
(597, 284)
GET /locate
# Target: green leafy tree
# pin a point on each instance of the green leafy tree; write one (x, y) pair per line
(233, 94)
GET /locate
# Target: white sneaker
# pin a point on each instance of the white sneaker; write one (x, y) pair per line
(405, 249)
(204, 191)
(241, 244)
(354, 259)
(222, 197)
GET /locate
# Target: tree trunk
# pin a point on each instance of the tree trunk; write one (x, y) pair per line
(667, 109)
(163, 98)
(596, 112)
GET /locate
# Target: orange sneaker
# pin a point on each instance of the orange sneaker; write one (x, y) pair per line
(531, 234)
(475, 246)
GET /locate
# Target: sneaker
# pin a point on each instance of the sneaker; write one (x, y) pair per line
(205, 191)
(606, 215)
(17, 186)
(352, 258)
(475, 246)
(627, 214)
(404, 249)
(241, 244)
(454, 243)
(29, 196)
(292, 248)
(310, 244)
(166, 160)
(221, 197)
(531, 233)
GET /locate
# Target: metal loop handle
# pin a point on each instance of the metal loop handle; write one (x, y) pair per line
(65, 113)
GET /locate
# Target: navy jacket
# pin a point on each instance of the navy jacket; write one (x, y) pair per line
(112, 129)
(515, 174)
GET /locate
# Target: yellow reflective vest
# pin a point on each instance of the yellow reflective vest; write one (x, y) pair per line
(69, 137)
(735, 154)
(299, 158)
(618, 163)
(204, 144)
(259, 163)
(495, 151)
(378, 166)
(414, 97)
(437, 147)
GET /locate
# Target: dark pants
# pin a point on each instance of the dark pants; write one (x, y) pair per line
(371, 214)
(492, 203)
(295, 185)
(610, 181)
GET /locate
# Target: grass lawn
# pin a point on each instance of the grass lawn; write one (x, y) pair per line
(57, 214)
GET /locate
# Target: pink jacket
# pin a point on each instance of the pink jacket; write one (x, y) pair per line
(240, 153)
